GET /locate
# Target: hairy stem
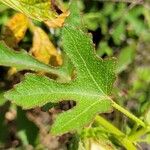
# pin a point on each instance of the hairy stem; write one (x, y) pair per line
(123, 139)
(128, 114)
(136, 135)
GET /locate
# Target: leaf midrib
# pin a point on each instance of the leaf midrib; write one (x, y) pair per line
(84, 63)
(69, 93)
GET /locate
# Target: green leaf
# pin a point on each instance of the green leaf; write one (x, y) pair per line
(125, 58)
(92, 20)
(23, 61)
(74, 19)
(118, 33)
(35, 9)
(103, 48)
(90, 89)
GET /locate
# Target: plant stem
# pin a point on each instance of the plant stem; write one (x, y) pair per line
(100, 120)
(136, 135)
(116, 132)
(128, 114)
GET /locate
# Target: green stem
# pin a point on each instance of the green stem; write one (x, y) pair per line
(136, 135)
(128, 114)
(103, 122)
(116, 132)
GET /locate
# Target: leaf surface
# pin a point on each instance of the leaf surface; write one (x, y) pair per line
(23, 61)
(41, 10)
(90, 89)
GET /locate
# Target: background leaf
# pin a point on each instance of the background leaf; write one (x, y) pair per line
(125, 58)
(39, 9)
(43, 49)
(14, 30)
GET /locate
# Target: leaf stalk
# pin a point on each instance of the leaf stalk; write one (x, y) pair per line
(128, 114)
(123, 139)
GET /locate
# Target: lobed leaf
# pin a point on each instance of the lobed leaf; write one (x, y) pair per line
(90, 89)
